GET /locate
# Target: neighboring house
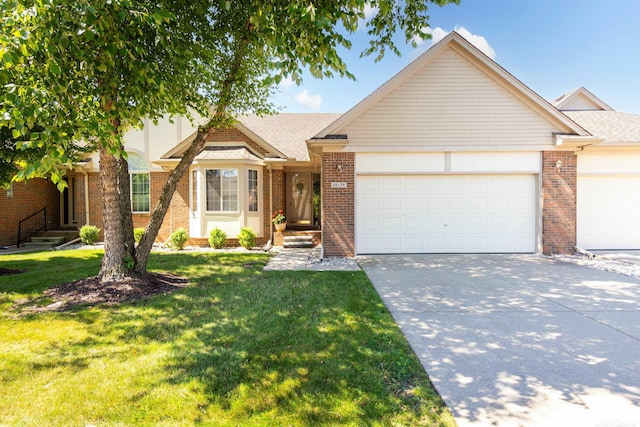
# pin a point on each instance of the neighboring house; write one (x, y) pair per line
(451, 155)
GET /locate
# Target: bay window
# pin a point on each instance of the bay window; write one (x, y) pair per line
(222, 190)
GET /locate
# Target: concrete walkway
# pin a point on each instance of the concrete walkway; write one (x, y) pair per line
(292, 259)
(289, 259)
(519, 340)
(629, 256)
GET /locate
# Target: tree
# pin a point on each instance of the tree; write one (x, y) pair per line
(89, 70)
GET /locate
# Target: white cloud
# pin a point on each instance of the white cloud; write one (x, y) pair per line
(478, 41)
(312, 102)
(437, 34)
(369, 11)
(286, 83)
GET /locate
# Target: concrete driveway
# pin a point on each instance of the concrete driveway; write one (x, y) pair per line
(519, 340)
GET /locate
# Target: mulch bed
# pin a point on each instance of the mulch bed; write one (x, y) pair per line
(8, 272)
(90, 291)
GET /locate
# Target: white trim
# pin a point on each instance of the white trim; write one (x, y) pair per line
(206, 211)
(131, 173)
(563, 100)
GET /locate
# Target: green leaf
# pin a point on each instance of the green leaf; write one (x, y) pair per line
(16, 133)
(54, 68)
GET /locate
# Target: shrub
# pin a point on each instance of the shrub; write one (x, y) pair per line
(179, 238)
(89, 234)
(217, 238)
(247, 238)
(138, 233)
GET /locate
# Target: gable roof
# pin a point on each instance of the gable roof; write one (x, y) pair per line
(227, 153)
(288, 132)
(578, 99)
(482, 62)
(613, 126)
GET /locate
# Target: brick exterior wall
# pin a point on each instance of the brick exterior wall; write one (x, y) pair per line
(28, 198)
(177, 215)
(559, 202)
(279, 197)
(338, 222)
(95, 202)
(234, 135)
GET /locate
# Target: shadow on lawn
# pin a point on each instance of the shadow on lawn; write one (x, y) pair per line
(254, 347)
(312, 346)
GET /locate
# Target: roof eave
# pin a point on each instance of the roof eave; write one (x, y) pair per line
(319, 145)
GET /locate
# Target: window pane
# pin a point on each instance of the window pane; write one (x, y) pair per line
(222, 190)
(140, 195)
(214, 196)
(194, 191)
(253, 190)
(230, 190)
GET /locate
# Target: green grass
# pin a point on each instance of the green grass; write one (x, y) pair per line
(240, 347)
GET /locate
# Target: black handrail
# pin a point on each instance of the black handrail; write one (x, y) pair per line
(32, 231)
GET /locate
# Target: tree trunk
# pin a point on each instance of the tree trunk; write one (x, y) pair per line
(114, 250)
(159, 212)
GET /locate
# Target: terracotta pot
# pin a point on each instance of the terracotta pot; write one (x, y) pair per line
(280, 227)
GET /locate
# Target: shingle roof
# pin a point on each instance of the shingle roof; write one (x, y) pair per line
(226, 153)
(615, 127)
(288, 132)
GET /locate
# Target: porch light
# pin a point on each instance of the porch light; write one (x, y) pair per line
(559, 165)
(339, 167)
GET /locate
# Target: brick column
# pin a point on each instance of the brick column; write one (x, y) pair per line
(338, 204)
(559, 202)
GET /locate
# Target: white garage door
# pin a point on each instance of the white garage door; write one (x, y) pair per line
(608, 210)
(445, 214)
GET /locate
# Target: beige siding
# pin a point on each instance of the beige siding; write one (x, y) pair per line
(580, 103)
(450, 102)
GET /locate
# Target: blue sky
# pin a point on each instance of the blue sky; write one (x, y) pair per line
(553, 46)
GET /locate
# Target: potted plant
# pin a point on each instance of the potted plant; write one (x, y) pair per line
(279, 220)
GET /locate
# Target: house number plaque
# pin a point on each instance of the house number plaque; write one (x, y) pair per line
(338, 185)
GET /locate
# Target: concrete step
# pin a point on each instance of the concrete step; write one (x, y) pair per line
(35, 245)
(298, 241)
(54, 240)
(297, 245)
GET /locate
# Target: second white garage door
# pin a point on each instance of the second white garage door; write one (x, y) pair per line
(609, 212)
(445, 214)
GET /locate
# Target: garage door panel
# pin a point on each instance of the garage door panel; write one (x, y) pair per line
(391, 184)
(457, 213)
(608, 211)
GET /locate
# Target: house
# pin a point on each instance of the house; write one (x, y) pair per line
(452, 155)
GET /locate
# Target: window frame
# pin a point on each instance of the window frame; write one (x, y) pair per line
(256, 181)
(222, 190)
(148, 192)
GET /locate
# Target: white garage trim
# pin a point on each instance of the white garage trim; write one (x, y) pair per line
(446, 213)
(608, 211)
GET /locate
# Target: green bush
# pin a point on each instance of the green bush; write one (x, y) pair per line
(138, 233)
(247, 238)
(217, 238)
(89, 234)
(179, 238)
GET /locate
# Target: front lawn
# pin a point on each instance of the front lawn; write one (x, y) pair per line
(238, 347)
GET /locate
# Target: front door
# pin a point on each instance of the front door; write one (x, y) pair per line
(299, 198)
(67, 203)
